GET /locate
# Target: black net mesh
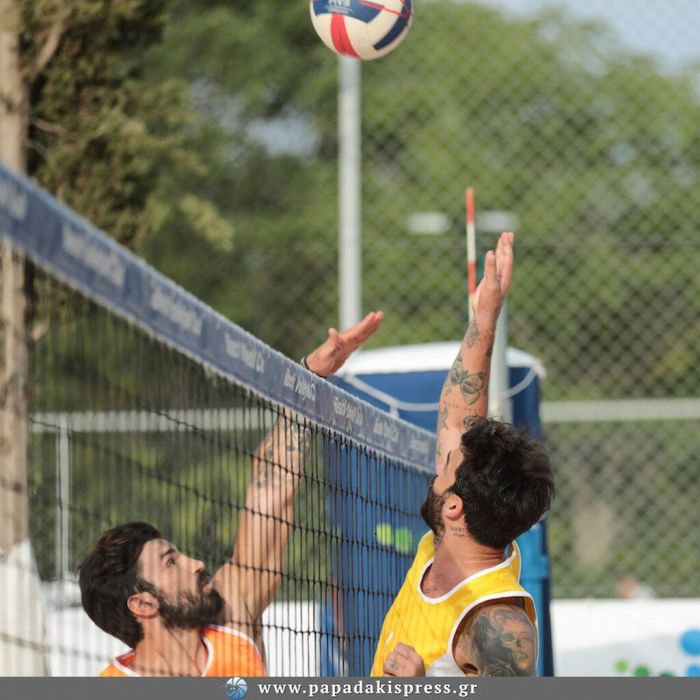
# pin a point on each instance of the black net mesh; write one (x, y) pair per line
(124, 428)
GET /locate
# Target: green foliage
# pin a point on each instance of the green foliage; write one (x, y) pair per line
(174, 124)
(618, 513)
(104, 137)
(258, 68)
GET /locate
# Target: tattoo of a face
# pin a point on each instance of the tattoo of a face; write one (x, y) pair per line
(503, 642)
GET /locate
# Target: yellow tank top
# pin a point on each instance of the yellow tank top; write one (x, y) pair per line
(430, 624)
(229, 653)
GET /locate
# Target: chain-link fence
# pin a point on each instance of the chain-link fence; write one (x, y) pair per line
(592, 145)
(586, 133)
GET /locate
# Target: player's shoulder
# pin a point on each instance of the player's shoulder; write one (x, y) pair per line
(225, 634)
(500, 639)
(234, 652)
(223, 631)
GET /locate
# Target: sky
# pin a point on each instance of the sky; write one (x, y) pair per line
(669, 29)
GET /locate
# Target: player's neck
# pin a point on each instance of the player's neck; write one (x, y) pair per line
(457, 557)
(170, 652)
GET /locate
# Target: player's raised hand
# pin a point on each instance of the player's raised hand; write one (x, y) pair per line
(331, 356)
(404, 661)
(498, 273)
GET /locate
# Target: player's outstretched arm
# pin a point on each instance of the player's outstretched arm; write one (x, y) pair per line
(254, 572)
(465, 392)
(500, 640)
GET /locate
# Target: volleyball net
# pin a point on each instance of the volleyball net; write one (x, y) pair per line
(127, 399)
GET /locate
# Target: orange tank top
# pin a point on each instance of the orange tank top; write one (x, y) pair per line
(231, 653)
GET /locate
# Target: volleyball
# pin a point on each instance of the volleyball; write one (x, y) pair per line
(363, 29)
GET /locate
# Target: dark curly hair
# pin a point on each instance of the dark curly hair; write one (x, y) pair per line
(505, 482)
(109, 575)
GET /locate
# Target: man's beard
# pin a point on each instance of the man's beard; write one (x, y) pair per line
(191, 610)
(431, 510)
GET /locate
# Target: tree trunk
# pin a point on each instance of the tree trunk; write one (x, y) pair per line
(22, 629)
(14, 516)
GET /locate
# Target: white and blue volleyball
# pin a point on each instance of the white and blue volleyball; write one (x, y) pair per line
(363, 29)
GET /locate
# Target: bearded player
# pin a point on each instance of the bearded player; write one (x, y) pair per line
(461, 609)
(178, 621)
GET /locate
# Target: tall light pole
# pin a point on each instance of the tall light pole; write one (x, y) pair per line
(349, 188)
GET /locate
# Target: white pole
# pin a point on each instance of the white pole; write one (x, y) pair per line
(471, 251)
(350, 202)
(499, 403)
(63, 503)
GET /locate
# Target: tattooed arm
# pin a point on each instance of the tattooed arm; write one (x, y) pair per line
(498, 640)
(464, 395)
(265, 523)
(254, 572)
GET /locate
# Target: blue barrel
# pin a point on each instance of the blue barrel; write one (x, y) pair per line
(392, 378)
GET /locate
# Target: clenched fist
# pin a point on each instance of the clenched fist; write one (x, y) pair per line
(404, 661)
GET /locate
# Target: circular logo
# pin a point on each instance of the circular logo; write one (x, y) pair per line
(690, 642)
(236, 688)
